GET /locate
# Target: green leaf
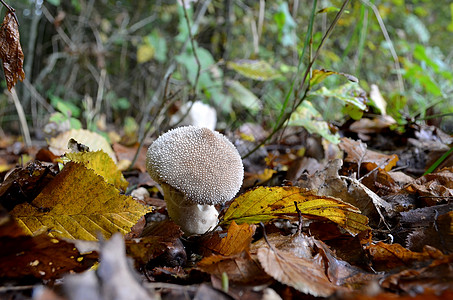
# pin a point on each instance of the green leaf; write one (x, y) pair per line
(349, 93)
(254, 69)
(244, 96)
(263, 204)
(318, 76)
(308, 117)
(54, 2)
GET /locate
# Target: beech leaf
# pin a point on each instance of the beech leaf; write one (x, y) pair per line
(238, 239)
(263, 204)
(302, 274)
(103, 165)
(240, 268)
(78, 204)
(11, 51)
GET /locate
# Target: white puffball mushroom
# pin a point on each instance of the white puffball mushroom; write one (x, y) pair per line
(197, 168)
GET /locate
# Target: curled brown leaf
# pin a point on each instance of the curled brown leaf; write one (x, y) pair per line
(11, 51)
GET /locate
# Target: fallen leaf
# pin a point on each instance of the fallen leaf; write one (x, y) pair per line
(103, 165)
(11, 51)
(300, 273)
(78, 204)
(238, 239)
(24, 184)
(392, 256)
(358, 153)
(327, 182)
(434, 187)
(263, 204)
(156, 241)
(94, 141)
(240, 268)
(433, 276)
(39, 256)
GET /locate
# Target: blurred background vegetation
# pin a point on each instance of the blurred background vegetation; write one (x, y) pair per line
(129, 65)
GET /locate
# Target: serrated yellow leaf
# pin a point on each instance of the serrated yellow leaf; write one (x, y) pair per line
(78, 204)
(263, 204)
(103, 165)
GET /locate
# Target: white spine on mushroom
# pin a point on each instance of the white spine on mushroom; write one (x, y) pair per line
(201, 168)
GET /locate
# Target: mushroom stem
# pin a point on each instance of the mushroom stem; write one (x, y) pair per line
(192, 218)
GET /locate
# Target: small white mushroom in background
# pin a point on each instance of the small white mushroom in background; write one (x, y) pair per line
(196, 168)
(200, 114)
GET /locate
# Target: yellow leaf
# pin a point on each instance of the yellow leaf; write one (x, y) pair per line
(78, 204)
(145, 53)
(266, 203)
(103, 165)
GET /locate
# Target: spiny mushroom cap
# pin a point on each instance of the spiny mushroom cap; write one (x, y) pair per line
(201, 163)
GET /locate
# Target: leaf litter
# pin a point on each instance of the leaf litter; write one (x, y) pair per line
(347, 228)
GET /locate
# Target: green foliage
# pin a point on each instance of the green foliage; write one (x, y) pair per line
(253, 59)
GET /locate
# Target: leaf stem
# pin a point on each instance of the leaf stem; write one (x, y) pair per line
(11, 10)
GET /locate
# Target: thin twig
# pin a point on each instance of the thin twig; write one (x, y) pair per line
(22, 119)
(299, 215)
(194, 50)
(11, 10)
(307, 90)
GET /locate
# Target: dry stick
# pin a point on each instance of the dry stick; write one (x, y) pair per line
(170, 69)
(287, 115)
(164, 82)
(11, 10)
(22, 119)
(299, 215)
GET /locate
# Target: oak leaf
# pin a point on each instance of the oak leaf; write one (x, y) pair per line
(78, 204)
(11, 51)
(263, 204)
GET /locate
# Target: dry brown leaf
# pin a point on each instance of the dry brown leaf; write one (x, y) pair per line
(11, 51)
(434, 276)
(390, 256)
(238, 239)
(358, 153)
(40, 256)
(240, 268)
(155, 241)
(24, 184)
(300, 273)
(433, 187)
